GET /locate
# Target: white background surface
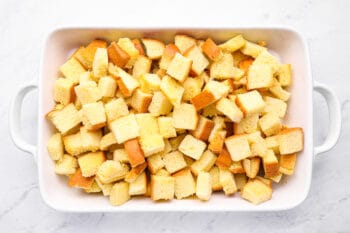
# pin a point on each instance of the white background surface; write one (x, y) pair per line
(325, 24)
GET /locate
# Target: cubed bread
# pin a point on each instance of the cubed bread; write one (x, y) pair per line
(245, 64)
(287, 164)
(174, 161)
(258, 147)
(273, 143)
(199, 61)
(90, 162)
(128, 46)
(63, 91)
(276, 106)
(142, 66)
(256, 191)
(55, 146)
(251, 166)
(229, 109)
(135, 172)
(79, 181)
(117, 55)
(240, 180)
(284, 75)
(154, 48)
(270, 124)
(149, 83)
(252, 49)
(219, 124)
(260, 76)
(88, 92)
(160, 104)
(140, 101)
(291, 140)
(73, 144)
(203, 129)
(185, 117)
(238, 147)
(276, 178)
(107, 86)
(169, 52)
(166, 127)
(266, 181)
(134, 151)
(175, 142)
(203, 186)
(162, 187)
(121, 155)
(233, 44)
(270, 164)
(204, 163)
(66, 165)
(212, 92)
(184, 42)
(86, 55)
(217, 140)
(124, 128)
(192, 147)
(100, 63)
(236, 167)
(155, 163)
(172, 90)
(210, 49)
(105, 188)
(227, 181)
(215, 179)
(119, 193)
(90, 139)
(139, 186)
(151, 144)
(266, 58)
(126, 83)
(279, 92)
(224, 69)
(148, 124)
(95, 114)
(65, 119)
(248, 124)
(224, 159)
(163, 172)
(179, 67)
(94, 188)
(107, 140)
(250, 102)
(72, 69)
(116, 108)
(138, 45)
(193, 86)
(111, 171)
(185, 184)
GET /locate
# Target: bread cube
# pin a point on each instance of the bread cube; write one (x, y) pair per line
(185, 185)
(88, 92)
(163, 172)
(229, 109)
(55, 146)
(276, 106)
(291, 140)
(224, 159)
(276, 178)
(95, 114)
(203, 129)
(240, 180)
(149, 83)
(179, 67)
(193, 87)
(135, 172)
(192, 147)
(184, 42)
(258, 148)
(107, 140)
(148, 124)
(169, 52)
(174, 161)
(121, 155)
(224, 69)
(284, 74)
(128, 46)
(100, 63)
(73, 144)
(154, 48)
(215, 179)
(116, 108)
(256, 191)
(72, 69)
(79, 181)
(217, 140)
(124, 128)
(140, 100)
(227, 181)
(260, 76)
(117, 55)
(66, 165)
(204, 163)
(270, 124)
(107, 86)
(111, 171)
(279, 92)
(160, 105)
(270, 164)
(65, 119)
(233, 44)
(139, 186)
(273, 143)
(210, 49)
(251, 166)
(127, 83)
(94, 187)
(252, 49)
(287, 164)
(175, 142)
(185, 116)
(166, 127)
(138, 45)
(203, 186)
(236, 167)
(105, 188)
(238, 147)
(248, 124)
(155, 163)
(162, 187)
(142, 66)
(245, 64)
(172, 90)
(134, 151)
(250, 102)
(199, 61)
(119, 193)
(86, 55)
(63, 91)
(90, 162)
(90, 140)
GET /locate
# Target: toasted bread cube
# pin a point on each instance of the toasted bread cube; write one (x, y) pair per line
(224, 159)
(154, 48)
(210, 111)
(217, 140)
(90, 139)
(218, 89)
(147, 123)
(135, 172)
(66, 165)
(79, 181)
(260, 76)
(229, 109)
(86, 55)
(252, 49)
(192, 147)
(166, 127)
(224, 69)
(256, 191)
(248, 124)
(203, 186)
(139, 186)
(111, 171)
(134, 151)
(172, 90)
(189, 160)
(162, 187)
(287, 164)
(90, 162)
(238, 147)
(142, 66)
(204, 163)
(174, 161)
(233, 44)
(169, 52)
(284, 75)
(251, 166)
(245, 64)
(100, 63)
(152, 144)
(236, 167)
(63, 91)
(126, 82)
(65, 119)
(277, 178)
(203, 99)
(119, 193)
(155, 163)
(179, 67)
(72, 69)
(125, 128)
(149, 83)
(275, 106)
(185, 116)
(240, 180)
(116, 108)
(184, 42)
(117, 55)
(86, 77)
(270, 164)
(185, 184)
(163, 172)
(199, 61)
(273, 143)
(279, 92)
(140, 101)
(128, 46)
(270, 124)
(203, 129)
(107, 140)
(227, 181)
(106, 188)
(175, 142)
(211, 50)
(95, 114)
(138, 45)
(291, 140)
(73, 144)
(265, 58)
(250, 102)
(193, 87)
(219, 124)
(88, 92)
(94, 187)
(215, 179)
(107, 86)
(258, 148)
(266, 181)
(55, 146)
(160, 105)
(121, 155)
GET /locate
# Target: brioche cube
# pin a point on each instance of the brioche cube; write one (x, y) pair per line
(236, 167)
(128, 46)
(256, 191)
(90, 162)
(124, 128)
(224, 159)
(203, 186)
(154, 48)
(63, 91)
(260, 76)
(229, 109)
(127, 83)
(149, 83)
(172, 90)
(215, 179)
(287, 164)
(107, 86)
(204, 163)
(270, 164)
(79, 181)
(166, 127)
(279, 92)
(233, 44)
(270, 124)
(142, 66)
(155, 163)
(140, 100)
(65, 119)
(284, 74)
(291, 140)
(227, 181)
(160, 105)
(107, 140)
(111, 171)
(273, 143)
(179, 67)
(252, 49)
(224, 69)
(211, 50)
(238, 147)
(117, 55)
(185, 184)
(119, 193)
(240, 180)
(251, 166)
(116, 108)
(192, 147)
(72, 69)
(135, 172)
(55, 146)
(185, 116)
(86, 56)
(100, 63)
(174, 161)
(250, 102)
(199, 61)
(66, 165)
(139, 186)
(248, 124)
(95, 114)
(162, 187)
(193, 87)
(134, 151)
(217, 140)
(276, 106)
(203, 129)
(184, 42)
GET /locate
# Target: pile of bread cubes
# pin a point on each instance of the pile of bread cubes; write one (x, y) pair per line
(177, 120)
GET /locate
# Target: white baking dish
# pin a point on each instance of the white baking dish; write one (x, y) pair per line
(290, 47)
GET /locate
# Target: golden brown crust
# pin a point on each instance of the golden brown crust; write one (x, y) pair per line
(287, 163)
(134, 152)
(224, 159)
(211, 49)
(123, 88)
(135, 172)
(271, 168)
(79, 181)
(203, 99)
(138, 45)
(86, 55)
(236, 167)
(205, 130)
(245, 64)
(117, 55)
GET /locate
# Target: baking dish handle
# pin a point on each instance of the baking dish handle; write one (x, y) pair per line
(15, 119)
(334, 117)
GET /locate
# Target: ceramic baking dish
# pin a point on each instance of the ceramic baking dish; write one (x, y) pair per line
(286, 43)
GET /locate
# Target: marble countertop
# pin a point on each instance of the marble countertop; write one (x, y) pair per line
(23, 24)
